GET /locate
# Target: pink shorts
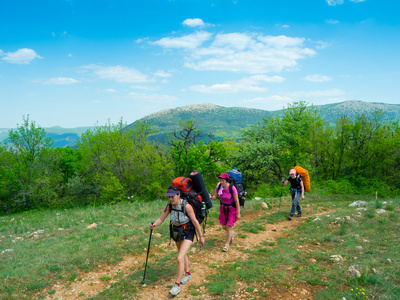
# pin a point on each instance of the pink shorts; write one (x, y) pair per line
(227, 215)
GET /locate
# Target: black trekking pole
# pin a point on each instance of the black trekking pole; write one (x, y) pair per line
(280, 199)
(148, 250)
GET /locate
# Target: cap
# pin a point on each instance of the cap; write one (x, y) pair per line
(224, 176)
(172, 193)
(292, 171)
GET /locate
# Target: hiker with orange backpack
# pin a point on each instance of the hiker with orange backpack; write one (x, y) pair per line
(296, 190)
(229, 211)
(184, 227)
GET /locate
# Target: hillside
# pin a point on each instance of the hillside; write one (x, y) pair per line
(222, 122)
(62, 137)
(226, 122)
(352, 109)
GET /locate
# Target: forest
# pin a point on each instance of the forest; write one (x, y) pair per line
(116, 163)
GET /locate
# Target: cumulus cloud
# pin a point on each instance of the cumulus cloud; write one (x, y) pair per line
(21, 56)
(118, 73)
(153, 98)
(190, 41)
(270, 103)
(60, 81)
(334, 2)
(161, 73)
(239, 52)
(269, 99)
(317, 93)
(247, 84)
(110, 90)
(317, 78)
(331, 21)
(196, 22)
(321, 45)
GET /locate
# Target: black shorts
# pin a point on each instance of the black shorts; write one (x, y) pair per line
(182, 232)
(189, 233)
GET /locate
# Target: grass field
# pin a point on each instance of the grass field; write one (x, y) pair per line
(39, 249)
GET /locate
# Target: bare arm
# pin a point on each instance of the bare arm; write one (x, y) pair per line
(302, 189)
(192, 216)
(285, 182)
(161, 219)
(236, 199)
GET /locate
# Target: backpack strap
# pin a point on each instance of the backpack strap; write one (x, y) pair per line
(230, 190)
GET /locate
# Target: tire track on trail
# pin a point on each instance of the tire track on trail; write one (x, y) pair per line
(91, 284)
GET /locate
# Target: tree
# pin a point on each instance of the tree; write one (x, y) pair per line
(120, 162)
(280, 143)
(31, 171)
(189, 155)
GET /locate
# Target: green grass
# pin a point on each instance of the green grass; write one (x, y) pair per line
(52, 245)
(65, 247)
(284, 265)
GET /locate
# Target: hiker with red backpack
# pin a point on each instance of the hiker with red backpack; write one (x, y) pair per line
(229, 211)
(296, 190)
(184, 225)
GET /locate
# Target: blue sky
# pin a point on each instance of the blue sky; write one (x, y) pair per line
(74, 63)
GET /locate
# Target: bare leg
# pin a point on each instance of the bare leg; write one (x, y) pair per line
(229, 233)
(183, 261)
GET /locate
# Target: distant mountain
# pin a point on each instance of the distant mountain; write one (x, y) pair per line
(62, 137)
(221, 121)
(226, 122)
(352, 109)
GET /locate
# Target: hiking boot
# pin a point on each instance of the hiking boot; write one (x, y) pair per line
(290, 218)
(298, 215)
(186, 278)
(176, 289)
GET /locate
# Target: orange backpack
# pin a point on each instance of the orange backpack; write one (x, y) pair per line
(304, 177)
(184, 184)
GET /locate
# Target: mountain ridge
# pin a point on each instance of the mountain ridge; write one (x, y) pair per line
(225, 122)
(222, 122)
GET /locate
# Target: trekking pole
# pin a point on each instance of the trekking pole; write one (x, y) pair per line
(148, 250)
(280, 199)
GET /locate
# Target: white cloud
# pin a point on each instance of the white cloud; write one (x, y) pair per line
(239, 52)
(269, 103)
(190, 41)
(281, 41)
(334, 2)
(331, 21)
(321, 45)
(154, 98)
(118, 73)
(143, 87)
(110, 91)
(317, 93)
(161, 73)
(194, 22)
(21, 56)
(274, 98)
(247, 84)
(60, 81)
(317, 78)
(236, 41)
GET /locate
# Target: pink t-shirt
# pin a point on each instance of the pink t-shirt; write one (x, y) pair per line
(224, 195)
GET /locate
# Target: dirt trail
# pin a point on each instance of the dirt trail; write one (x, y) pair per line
(90, 284)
